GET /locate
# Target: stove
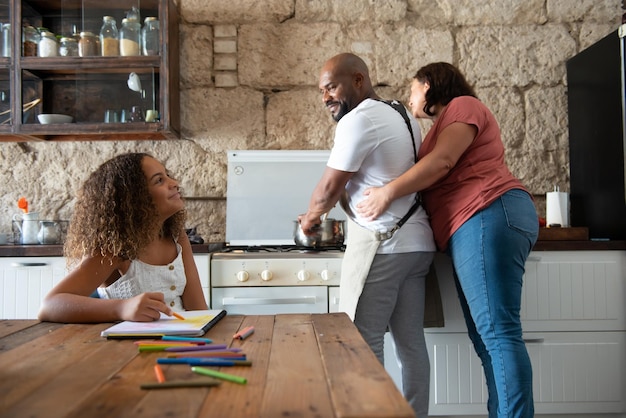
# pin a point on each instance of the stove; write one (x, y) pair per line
(261, 270)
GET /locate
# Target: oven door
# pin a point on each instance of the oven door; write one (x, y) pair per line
(270, 300)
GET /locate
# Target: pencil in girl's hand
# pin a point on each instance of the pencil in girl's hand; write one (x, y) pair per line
(177, 315)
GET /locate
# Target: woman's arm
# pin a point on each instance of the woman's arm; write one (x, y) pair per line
(70, 301)
(449, 147)
(193, 297)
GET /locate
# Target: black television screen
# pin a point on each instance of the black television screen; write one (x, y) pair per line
(596, 93)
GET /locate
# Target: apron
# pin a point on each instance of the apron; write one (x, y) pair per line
(361, 247)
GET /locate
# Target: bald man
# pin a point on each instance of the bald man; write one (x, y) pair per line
(386, 260)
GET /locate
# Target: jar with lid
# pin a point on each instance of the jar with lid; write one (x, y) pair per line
(68, 47)
(150, 36)
(30, 40)
(7, 40)
(48, 46)
(130, 35)
(87, 45)
(109, 42)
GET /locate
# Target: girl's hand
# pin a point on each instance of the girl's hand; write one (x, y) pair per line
(144, 308)
(377, 201)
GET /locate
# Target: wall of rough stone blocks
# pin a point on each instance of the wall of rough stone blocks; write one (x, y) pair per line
(249, 74)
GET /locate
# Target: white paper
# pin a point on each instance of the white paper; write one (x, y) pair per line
(557, 209)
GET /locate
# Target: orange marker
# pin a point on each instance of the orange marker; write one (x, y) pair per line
(177, 315)
(159, 373)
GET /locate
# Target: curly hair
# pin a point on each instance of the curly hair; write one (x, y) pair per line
(446, 82)
(114, 215)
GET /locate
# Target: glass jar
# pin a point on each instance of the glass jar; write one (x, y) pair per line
(68, 47)
(48, 45)
(30, 40)
(109, 42)
(150, 36)
(88, 44)
(7, 39)
(130, 35)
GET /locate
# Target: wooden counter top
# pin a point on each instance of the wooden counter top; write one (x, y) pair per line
(57, 250)
(303, 365)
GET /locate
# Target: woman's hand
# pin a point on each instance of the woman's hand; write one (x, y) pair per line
(377, 201)
(146, 307)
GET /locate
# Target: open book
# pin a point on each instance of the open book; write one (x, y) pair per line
(196, 323)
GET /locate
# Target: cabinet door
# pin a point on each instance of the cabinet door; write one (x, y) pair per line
(202, 264)
(24, 282)
(572, 373)
(574, 291)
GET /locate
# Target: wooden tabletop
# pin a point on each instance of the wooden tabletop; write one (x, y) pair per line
(303, 365)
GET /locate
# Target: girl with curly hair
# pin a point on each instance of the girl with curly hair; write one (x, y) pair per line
(126, 242)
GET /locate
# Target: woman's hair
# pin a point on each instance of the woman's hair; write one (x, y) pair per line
(114, 215)
(446, 82)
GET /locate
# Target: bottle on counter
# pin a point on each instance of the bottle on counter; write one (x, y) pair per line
(130, 35)
(150, 36)
(30, 40)
(88, 44)
(48, 45)
(68, 47)
(109, 37)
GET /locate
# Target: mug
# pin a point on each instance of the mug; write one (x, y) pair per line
(152, 115)
(49, 232)
(28, 226)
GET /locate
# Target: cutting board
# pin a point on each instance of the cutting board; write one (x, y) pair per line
(564, 234)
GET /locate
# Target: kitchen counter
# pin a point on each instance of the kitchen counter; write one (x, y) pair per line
(303, 365)
(57, 250)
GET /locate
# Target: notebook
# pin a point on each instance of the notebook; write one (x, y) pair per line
(196, 323)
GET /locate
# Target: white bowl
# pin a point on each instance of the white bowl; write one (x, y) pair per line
(46, 118)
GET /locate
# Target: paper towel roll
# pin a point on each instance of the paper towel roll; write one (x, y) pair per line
(557, 209)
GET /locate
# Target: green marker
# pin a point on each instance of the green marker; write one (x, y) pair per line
(219, 375)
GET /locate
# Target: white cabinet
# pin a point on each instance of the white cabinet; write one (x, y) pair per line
(574, 323)
(202, 264)
(24, 281)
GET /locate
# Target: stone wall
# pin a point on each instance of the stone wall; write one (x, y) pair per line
(249, 74)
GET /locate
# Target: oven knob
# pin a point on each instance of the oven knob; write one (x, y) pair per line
(303, 275)
(266, 275)
(325, 275)
(243, 276)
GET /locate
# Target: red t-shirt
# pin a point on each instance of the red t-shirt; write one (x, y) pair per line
(479, 177)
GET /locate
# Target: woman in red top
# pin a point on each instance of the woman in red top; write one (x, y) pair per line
(482, 216)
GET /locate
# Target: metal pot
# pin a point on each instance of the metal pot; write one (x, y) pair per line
(329, 233)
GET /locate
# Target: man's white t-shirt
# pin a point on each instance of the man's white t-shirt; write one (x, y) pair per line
(373, 142)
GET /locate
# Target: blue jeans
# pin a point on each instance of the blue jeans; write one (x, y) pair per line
(488, 253)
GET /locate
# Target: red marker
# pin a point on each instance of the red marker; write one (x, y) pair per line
(244, 333)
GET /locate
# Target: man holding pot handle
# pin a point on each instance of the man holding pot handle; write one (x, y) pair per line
(386, 260)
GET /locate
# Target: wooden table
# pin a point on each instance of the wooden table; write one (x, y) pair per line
(303, 365)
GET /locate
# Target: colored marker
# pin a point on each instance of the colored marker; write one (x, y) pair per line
(159, 373)
(177, 315)
(219, 375)
(208, 353)
(244, 333)
(195, 361)
(187, 339)
(181, 384)
(197, 347)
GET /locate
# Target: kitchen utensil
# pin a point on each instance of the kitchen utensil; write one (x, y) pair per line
(330, 232)
(48, 118)
(49, 232)
(28, 225)
(134, 83)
